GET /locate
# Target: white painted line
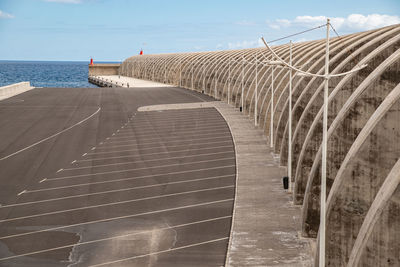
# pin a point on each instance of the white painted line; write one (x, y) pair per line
(101, 143)
(125, 137)
(117, 218)
(160, 252)
(119, 202)
(174, 130)
(113, 181)
(73, 162)
(60, 170)
(155, 147)
(116, 237)
(117, 131)
(135, 169)
(41, 181)
(93, 148)
(150, 160)
(22, 192)
(113, 134)
(192, 125)
(149, 154)
(181, 140)
(51, 136)
(107, 138)
(84, 154)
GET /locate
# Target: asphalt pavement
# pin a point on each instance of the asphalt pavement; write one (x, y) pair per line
(86, 180)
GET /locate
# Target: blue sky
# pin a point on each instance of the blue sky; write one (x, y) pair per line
(112, 30)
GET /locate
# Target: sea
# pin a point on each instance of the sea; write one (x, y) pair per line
(46, 73)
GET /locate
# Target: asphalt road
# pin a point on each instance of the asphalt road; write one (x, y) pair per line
(86, 180)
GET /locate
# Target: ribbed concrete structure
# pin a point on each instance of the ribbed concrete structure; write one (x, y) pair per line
(363, 206)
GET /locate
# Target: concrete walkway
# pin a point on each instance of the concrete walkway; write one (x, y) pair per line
(266, 225)
(124, 81)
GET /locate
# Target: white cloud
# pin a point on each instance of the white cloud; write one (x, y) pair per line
(352, 22)
(245, 44)
(65, 1)
(4, 15)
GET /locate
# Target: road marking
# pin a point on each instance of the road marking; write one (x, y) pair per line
(51, 136)
(155, 147)
(116, 237)
(149, 154)
(167, 137)
(118, 218)
(116, 190)
(84, 154)
(194, 131)
(149, 160)
(192, 126)
(135, 142)
(41, 181)
(101, 143)
(113, 134)
(105, 192)
(160, 252)
(135, 169)
(22, 192)
(60, 170)
(73, 162)
(93, 148)
(119, 202)
(107, 138)
(117, 180)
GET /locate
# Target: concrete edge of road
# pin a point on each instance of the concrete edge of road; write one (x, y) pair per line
(14, 89)
(177, 106)
(255, 239)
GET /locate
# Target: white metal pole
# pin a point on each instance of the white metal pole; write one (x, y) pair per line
(153, 69)
(271, 126)
(229, 80)
(256, 95)
(324, 154)
(242, 98)
(180, 72)
(192, 75)
(165, 71)
(290, 122)
(215, 84)
(204, 79)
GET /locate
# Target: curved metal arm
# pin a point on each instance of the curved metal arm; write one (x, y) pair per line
(308, 73)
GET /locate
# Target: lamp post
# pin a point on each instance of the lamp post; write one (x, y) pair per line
(242, 95)
(326, 76)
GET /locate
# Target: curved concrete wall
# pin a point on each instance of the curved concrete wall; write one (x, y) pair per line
(363, 121)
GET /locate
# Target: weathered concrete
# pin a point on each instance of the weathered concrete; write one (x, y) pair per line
(14, 89)
(104, 69)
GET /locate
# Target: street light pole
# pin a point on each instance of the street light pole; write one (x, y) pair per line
(324, 154)
(290, 123)
(271, 126)
(192, 75)
(256, 95)
(242, 98)
(229, 79)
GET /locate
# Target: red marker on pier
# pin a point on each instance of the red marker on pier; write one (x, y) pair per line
(91, 62)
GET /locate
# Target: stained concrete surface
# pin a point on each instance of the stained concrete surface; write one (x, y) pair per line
(121, 188)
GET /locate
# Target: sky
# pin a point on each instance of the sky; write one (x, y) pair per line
(113, 30)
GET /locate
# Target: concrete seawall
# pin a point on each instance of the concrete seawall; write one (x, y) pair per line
(104, 69)
(14, 89)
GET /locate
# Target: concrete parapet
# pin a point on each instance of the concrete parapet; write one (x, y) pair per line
(14, 89)
(104, 69)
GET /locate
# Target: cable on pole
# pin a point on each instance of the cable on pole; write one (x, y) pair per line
(320, 26)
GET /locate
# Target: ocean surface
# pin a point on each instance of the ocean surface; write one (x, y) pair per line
(45, 73)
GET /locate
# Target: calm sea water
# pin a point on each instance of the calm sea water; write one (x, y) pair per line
(45, 73)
